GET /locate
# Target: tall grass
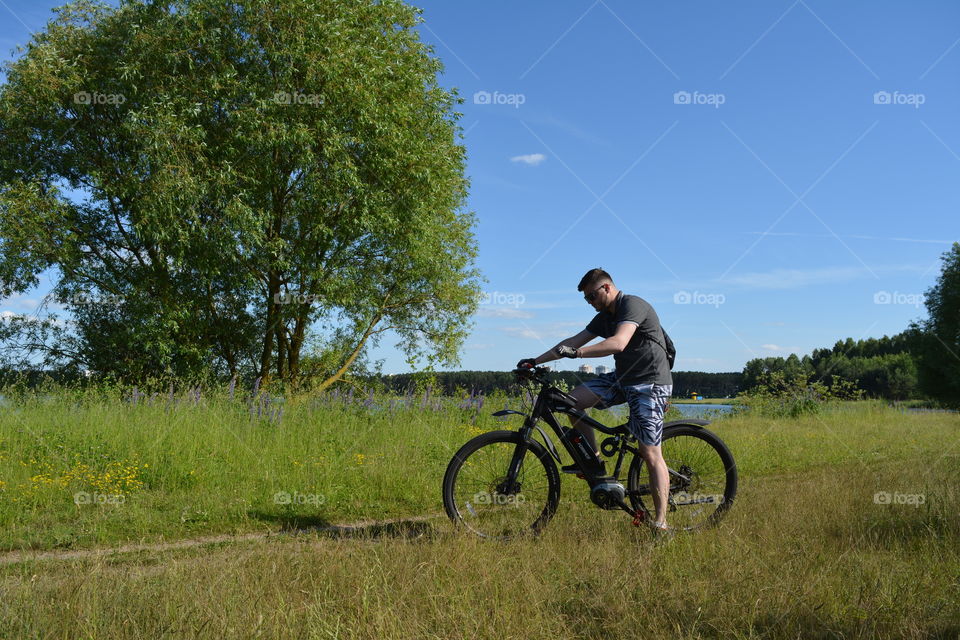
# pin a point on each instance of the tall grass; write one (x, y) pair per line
(803, 555)
(93, 467)
(846, 526)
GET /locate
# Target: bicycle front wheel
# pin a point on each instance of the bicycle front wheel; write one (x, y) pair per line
(478, 495)
(703, 478)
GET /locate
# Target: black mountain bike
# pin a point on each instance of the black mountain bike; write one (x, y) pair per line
(504, 483)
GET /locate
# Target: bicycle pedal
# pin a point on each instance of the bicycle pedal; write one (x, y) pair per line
(638, 518)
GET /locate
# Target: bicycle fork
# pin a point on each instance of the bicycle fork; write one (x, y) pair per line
(510, 486)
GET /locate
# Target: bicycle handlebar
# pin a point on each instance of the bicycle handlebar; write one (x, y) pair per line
(531, 373)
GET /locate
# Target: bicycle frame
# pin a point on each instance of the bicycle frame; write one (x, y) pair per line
(549, 400)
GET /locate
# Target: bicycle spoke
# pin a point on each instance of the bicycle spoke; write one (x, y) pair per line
(698, 479)
(484, 502)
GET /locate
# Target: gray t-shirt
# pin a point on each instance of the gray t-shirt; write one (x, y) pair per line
(642, 361)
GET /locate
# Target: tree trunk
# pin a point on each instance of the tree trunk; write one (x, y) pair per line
(296, 344)
(352, 357)
(281, 352)
(273, 288)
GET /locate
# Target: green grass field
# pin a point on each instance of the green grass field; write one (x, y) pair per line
(846, 525)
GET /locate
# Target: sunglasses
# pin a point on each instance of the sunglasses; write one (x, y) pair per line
(590, 297)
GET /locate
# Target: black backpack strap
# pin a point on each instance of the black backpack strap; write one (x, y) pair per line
(663, 346)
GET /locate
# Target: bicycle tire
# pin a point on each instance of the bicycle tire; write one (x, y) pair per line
(697, 499)
(489, 512)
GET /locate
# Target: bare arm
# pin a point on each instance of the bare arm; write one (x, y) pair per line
(614, 344)
(575, 342)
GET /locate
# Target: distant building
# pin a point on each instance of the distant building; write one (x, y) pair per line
(585, 368)
(602, 369)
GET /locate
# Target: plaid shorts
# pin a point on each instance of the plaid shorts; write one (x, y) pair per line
(647, 403)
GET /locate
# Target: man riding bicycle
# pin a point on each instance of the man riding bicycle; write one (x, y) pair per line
(633, 335)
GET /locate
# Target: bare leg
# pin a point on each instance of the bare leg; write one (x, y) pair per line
(585, 399)
(659, 479)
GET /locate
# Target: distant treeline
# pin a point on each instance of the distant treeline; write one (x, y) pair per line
(713, 385)
(31, 378)
(883, 368)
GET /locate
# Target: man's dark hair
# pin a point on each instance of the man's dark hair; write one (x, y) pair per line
(593, 279)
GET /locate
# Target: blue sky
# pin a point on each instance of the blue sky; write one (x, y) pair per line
(772, 176)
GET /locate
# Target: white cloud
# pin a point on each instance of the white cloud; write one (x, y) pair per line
(545, 333)
(503, 312)
(522, 332)
(21, 301)
(775, 348)
(532, 159)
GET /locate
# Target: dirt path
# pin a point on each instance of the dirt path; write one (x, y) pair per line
(414, 527)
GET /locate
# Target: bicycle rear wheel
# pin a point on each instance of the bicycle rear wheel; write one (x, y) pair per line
(703, 478)
(477, 496)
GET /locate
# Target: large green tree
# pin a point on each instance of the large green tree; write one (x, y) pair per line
(940, 358)
(235, 186)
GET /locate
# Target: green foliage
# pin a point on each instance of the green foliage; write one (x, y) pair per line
(779, 395)
(235, 187)
(708, 385)
(940, 345)
(884, 367)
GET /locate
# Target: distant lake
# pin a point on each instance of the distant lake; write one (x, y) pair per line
(702, 410)
(688, 410)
